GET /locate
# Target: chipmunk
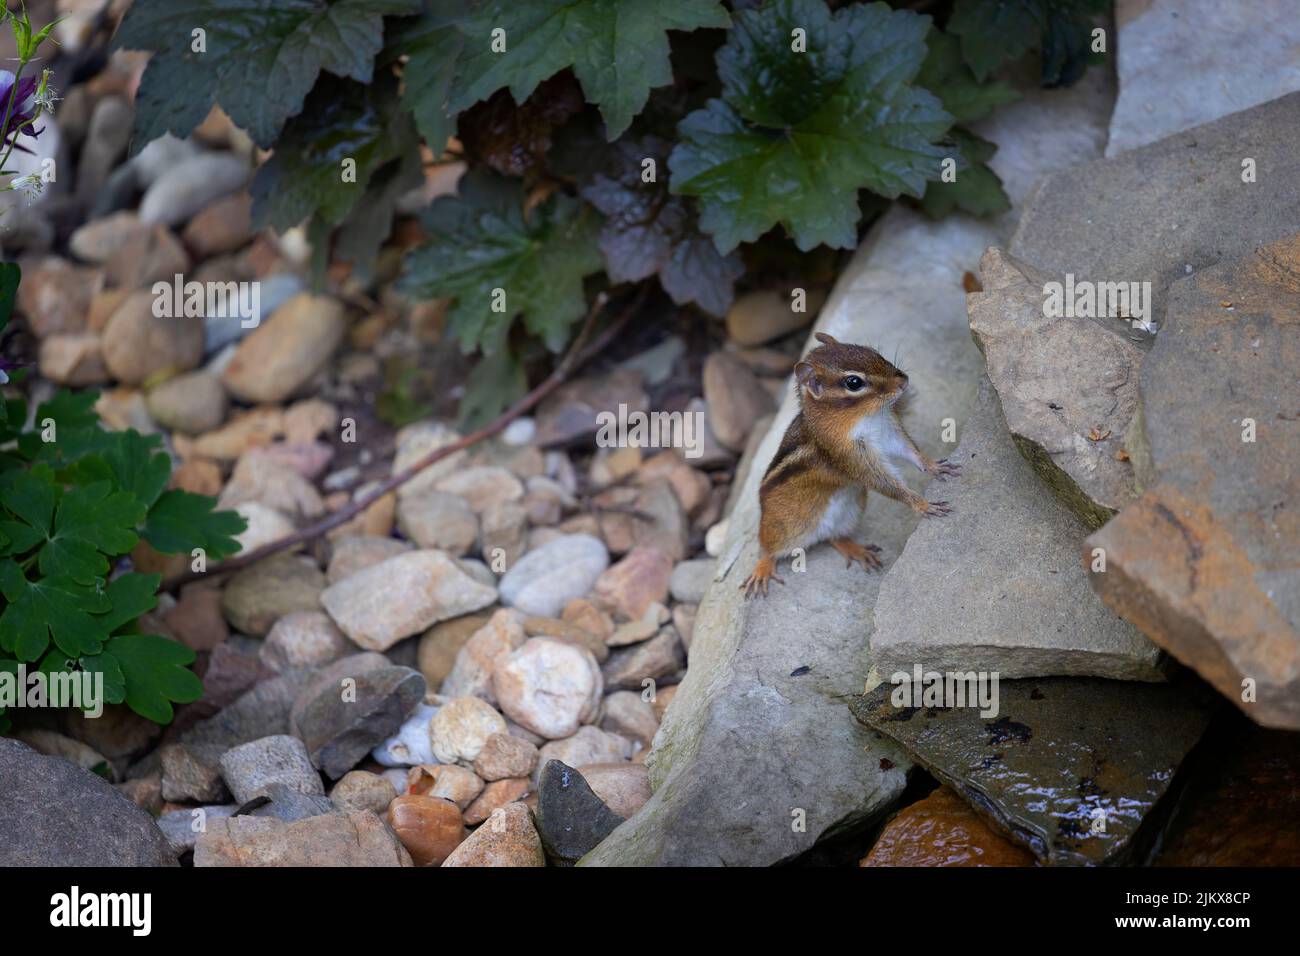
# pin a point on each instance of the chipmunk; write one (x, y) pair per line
(837, 449)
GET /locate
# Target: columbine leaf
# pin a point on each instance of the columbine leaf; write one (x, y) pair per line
(31, 496)
(154, 674)
(181, 521)
(976, 190)
(114, 681)
(131, 595)
(482, 242)
(54, 607)
(343, 120)
(649, 231)
(56, 661)
(261, 59)
(92, 522)
(618, 49)
(137, 466)
(69, 422)
(796, 135)
(947, 76)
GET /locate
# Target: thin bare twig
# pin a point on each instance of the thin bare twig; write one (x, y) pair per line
(578, 354)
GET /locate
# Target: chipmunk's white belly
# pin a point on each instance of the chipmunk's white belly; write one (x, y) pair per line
(842, 516)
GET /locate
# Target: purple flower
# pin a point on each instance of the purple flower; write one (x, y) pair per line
(22, 116)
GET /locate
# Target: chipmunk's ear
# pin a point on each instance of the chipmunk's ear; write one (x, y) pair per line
(806, 376)
(826, 339)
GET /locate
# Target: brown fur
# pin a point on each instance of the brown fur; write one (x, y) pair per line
(823, 454)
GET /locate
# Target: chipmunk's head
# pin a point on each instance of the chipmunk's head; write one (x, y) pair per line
(839, 376)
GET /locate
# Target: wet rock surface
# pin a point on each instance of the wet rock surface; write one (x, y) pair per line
(1068, 767)
(943, 830)
(1244, 807)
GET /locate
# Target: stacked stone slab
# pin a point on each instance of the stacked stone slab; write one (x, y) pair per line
(1207, 561)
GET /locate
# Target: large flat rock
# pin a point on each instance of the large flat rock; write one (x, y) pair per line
(997, 585)
(758, 758)
(1207, 562)
(1182, 63)
(1166, 210)
(1070, 767)
(1068, 385)
(54, 813)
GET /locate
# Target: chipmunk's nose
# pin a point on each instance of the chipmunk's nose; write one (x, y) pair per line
(902, 381)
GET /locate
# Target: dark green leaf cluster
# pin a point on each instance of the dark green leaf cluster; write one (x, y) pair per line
(74, 500)
(804, 110)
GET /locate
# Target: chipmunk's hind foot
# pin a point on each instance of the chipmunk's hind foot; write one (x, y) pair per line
(764, 572)
(864, 554)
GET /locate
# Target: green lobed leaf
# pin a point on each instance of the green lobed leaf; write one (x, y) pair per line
(54, 607)
(946, 75)
(93, 522)
(498, 381)
(137, 466)
(262, 57)
(69, 420)
(130, 595)
(181, 521)
(618, 50)
(432, 45)
(977, 189)
(483, 242)
(647, 231)
(154, 672)
(371, 221)
(343, 120)
(795, 135)
(995, 32)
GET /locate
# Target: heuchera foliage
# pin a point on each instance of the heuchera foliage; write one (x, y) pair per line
(793, 112)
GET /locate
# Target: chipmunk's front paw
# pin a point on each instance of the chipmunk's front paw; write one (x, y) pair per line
(864, 554)
(944, 469)
(757, 582)
(932, 509)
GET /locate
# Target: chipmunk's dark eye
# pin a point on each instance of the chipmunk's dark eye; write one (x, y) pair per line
(853, 383)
